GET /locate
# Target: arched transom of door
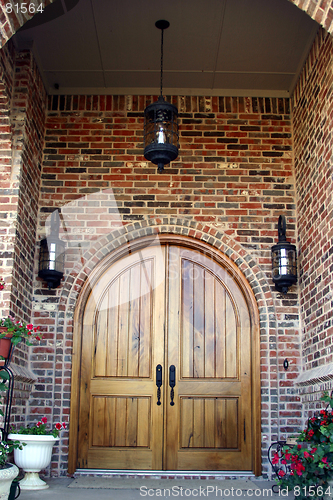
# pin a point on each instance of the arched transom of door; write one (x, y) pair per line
(165, 370)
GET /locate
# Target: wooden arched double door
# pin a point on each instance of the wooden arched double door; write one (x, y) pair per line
(166, 375)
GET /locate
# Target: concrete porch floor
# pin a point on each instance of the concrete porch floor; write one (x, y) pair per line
(64, 488)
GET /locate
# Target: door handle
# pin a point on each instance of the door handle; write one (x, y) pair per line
(172, 382)
(159, 383)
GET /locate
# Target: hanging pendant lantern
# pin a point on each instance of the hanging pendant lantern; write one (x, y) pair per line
(52, 255)
(284, 261)
(161, 135)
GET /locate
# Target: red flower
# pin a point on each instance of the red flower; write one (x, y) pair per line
(307, 455)
(30, 327)
(275, 459)
(281, 473)
(38, 424)
(58, 426)
(44, 420)
(324, 460)
(64, 425)
(310, 433)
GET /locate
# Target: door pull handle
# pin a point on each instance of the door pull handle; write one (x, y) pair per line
(159, 383)
(172, 383)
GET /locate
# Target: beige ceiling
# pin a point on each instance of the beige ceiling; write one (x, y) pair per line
(212, 47)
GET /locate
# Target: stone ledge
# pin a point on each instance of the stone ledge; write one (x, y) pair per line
(22, 374)
(315, 375)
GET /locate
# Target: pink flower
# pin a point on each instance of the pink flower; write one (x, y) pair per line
(324, 460)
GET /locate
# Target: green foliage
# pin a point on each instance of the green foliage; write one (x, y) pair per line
(5, 449)
(40, 429)
(19, 331)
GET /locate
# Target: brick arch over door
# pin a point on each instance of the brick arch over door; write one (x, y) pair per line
(127, 235)
(322, 12)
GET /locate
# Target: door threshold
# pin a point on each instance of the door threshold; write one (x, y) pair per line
(167, 474)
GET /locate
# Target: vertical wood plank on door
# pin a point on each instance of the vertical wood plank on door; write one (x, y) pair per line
(146, 297)
(198, 322)
(124, 283)
(134, 321)
(231, 343)
(98, 412)
(198, 423)
(186, 422)
(232, 423)
(101, 339)
(187, 318)
(209, 422)
(121, 421)
(132, 421)
(220, 330)
(144, 417)
(210, 314)
(110, 421)
(113, 330)
(220, 429)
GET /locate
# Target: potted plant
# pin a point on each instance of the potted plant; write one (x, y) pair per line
(37, 452)
(308, 465)
(8, 471)
(12, 332)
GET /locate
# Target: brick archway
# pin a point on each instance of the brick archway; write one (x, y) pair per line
(78, 281)
(12, 21)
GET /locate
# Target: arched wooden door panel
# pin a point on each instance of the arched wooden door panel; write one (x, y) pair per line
(175, 307)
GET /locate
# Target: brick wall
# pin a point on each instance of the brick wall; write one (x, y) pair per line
(313, 128)
(232, 179)
(8, 200)
(22, 134)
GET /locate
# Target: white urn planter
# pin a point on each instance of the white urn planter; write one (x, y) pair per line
(7, 474)
(33, 458)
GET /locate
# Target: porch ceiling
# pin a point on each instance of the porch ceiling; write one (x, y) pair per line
(212, 47)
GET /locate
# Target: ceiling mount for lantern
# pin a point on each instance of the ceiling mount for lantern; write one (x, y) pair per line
(161, 123)
(284, 262)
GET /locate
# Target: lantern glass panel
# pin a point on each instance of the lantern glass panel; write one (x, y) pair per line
(284, 262)
(52, 256)
(161, 127)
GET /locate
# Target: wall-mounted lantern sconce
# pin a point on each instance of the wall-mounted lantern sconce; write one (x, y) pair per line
(284, 262)
(52, 255)
(161, 123)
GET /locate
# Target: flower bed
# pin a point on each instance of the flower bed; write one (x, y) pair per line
(307, 466)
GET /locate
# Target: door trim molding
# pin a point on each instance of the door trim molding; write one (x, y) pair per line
(213, 253)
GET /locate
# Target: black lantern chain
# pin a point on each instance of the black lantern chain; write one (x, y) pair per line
(161, 135)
